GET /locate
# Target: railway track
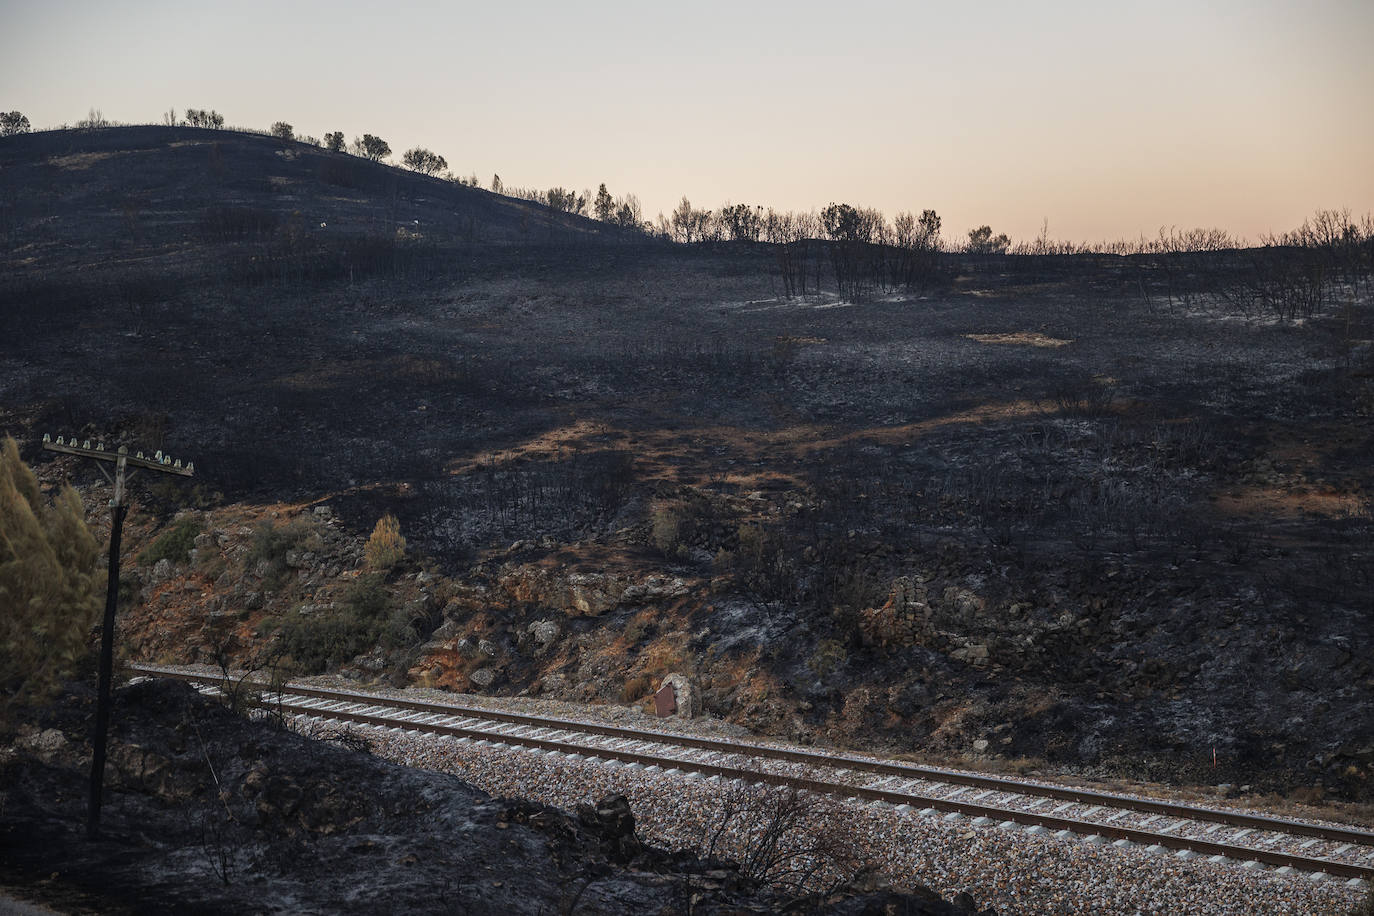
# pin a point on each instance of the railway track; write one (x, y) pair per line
(1160, 827)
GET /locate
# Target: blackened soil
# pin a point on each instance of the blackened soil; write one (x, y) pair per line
(208, 812)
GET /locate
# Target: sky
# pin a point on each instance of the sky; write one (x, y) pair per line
(1105, 119)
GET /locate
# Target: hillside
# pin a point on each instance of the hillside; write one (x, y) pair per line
(1024, 516)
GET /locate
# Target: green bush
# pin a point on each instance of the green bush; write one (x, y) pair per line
(272, 542)
(367, 597)
(830, 655)
(360, 621)
(638, 628)
(666, 530)
(174, 545)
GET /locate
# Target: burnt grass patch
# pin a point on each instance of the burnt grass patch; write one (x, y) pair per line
(1108, 531)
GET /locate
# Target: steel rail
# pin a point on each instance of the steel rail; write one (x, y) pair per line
(821, 787)
(967, 808)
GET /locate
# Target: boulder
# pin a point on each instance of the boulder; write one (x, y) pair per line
(47, 745)
(592, 598)
(612, 825)
(544, 632)
(143, 769)
(654, 588)
(964, 603)
(974, 654)
(162, 571)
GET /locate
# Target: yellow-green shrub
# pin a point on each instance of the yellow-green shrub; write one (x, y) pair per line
(49, 593)
(385, 548)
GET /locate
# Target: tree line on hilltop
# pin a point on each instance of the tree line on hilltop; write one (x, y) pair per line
(1293, 274)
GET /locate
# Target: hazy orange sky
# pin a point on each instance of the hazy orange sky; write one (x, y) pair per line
(1108, 119)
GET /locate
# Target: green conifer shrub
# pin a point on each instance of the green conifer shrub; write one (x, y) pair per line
(49, 590)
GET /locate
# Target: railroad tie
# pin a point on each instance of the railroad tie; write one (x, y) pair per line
(487, 729)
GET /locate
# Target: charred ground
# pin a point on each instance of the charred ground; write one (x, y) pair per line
(208, 812)
(1023, 512)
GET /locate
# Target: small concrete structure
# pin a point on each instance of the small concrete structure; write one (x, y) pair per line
(665, 701)
(684, 697)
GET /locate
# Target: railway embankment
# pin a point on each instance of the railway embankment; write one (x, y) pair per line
(208, 811)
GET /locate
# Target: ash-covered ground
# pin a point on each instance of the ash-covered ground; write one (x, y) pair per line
(1025, 514)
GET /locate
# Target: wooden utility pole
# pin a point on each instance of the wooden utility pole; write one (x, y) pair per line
(125, 466)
